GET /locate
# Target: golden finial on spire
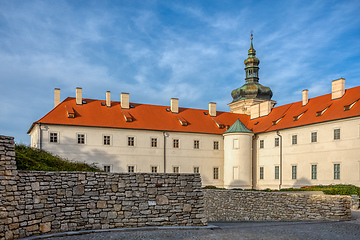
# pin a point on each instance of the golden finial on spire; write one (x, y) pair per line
(252, 34)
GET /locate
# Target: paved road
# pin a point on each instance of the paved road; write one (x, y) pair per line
(346, 230)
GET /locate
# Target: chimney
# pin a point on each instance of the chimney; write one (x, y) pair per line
(305, 97)
(255, 111)
(212, 109)
(337, 88)
(265, 108)
(174, 103)
(79, 96)
(57, 96)
(108, 99)
(124, 98)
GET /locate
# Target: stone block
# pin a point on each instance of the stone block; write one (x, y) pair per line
(78, 190)
(162, 200)
(101, 204)
(45, 227)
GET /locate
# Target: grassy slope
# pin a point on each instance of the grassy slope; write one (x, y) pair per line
(28, 158)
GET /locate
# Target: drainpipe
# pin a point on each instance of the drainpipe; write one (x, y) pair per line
(165, 134)
(40, 136)
(277, 132)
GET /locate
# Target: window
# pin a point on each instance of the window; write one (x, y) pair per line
(154, 169)
(261, 173)
(337, 171)
(313, 171)
(293, 172)
(276, 172)
(294, 139)
(314, 137)
(216, 173)
(53, 137)
(176, 143)
(337, 134)
(176, 169)
(196, 169)
(216, 145)
(277, 142)
(106, 168)
(131, 168)
(196, 144)
(106, 140)
(153, 142)
(261, 143)
(236, 143)
(81, 138)
(131, 141)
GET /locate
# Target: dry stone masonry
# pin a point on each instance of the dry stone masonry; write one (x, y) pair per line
(34, 202)
(233, 205)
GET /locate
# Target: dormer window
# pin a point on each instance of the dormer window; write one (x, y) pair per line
(277, 121)
(295, 118)
(320, 113)
(348, 107)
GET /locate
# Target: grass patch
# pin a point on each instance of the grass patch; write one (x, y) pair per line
(28, 158)
(339, 189)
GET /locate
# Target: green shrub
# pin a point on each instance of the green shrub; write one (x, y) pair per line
(28, 158)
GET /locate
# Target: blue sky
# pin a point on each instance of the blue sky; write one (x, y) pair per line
(156, 50)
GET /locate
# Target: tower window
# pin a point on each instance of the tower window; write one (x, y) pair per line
(216, 145)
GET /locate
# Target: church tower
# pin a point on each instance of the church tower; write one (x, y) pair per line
(252, 92)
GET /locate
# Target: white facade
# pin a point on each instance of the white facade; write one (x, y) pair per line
(142, 155)
(323, 152)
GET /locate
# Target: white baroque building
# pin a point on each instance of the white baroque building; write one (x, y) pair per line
(255, 145)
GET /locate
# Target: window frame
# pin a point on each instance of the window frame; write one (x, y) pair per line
(109, 140)
(313, 171)
(216, 145)
(216, 173)
(52, 137)
(337, 135)
(107, 168)
(236, 143)
(337, 171)
(79, 138)
(313, 136)
(153, 142)
(196, 144)
(277, 172)
(176, 169)
(131, 141)
(261, 173)
(152, 168)
(294, 139)
(276, 142)
(294, 172)
(261, 143)
(176, 143)
(196, 167)
(133, 168)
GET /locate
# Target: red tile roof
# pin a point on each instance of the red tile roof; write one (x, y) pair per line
(288, 112)
(153, 117)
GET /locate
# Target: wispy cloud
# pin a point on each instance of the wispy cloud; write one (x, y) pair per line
(158, 50)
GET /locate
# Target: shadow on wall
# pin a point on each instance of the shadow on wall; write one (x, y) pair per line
(301, 182)
(239, 184)
(81, 153)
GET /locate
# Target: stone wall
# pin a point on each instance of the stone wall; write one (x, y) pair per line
(233, 205)
(34, 202)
